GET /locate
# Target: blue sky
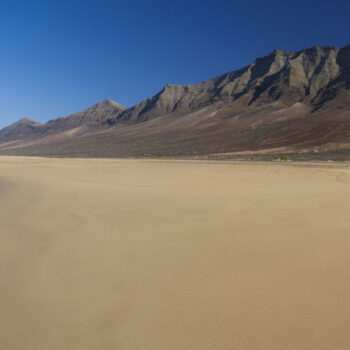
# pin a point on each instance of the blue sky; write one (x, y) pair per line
(58, 57)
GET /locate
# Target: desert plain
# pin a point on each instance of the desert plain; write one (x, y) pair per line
(156, 254)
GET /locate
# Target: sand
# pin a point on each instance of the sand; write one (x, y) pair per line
(155, 255)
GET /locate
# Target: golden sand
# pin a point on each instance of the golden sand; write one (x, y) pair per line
(173, 255)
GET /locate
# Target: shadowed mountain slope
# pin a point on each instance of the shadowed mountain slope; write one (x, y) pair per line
(20, 129)
(286, 101)
(92, 116)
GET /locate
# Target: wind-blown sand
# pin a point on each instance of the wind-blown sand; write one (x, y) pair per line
(170, 255)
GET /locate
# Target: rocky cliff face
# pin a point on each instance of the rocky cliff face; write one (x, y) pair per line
(291, 77)
(299, 100)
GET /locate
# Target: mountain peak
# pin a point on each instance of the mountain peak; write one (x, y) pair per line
(109, 104)
(171, 87)
(26, 121)
(20, 129)
(278, 51)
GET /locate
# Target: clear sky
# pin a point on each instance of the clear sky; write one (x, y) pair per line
(58, 57)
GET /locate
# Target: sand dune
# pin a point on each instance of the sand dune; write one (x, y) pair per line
(148, 255)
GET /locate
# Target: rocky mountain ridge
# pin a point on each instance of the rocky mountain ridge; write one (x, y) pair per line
(250, 107)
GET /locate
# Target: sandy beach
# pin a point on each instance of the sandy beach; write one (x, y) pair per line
(155, 255)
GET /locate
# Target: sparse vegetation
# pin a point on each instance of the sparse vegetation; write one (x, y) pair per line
(283, 158)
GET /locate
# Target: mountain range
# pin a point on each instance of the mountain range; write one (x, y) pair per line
(286, 102)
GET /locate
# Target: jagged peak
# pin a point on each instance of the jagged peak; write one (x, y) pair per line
(170, 86)
(272, 54)
(279, 52)
(277, 57)
(317, 49)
